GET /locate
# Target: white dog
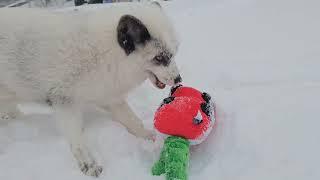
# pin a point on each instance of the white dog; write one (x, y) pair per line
(69, 60)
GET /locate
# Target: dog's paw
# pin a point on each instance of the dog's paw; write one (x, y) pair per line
(145, 134)
(91, 169)
(151, 135)
(7, 116)
(4, 117)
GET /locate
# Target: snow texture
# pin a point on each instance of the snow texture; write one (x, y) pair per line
(260, 60)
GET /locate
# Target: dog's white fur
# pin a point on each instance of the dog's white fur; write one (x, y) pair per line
(74, 59)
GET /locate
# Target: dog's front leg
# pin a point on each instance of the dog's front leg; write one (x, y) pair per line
(70, 122)
(122, 113)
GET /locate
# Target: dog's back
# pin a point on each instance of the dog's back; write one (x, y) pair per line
(29, 40)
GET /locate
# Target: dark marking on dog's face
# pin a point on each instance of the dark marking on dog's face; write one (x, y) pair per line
(163, 58)
(161, 63)
(131, 32)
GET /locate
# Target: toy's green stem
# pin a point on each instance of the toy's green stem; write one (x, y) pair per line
(174, 159)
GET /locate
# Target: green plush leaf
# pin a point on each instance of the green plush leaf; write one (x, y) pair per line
(174, 159)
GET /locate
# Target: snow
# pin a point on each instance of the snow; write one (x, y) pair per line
(259, 60)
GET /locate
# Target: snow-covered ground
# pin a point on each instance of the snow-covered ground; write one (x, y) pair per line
(260, 60)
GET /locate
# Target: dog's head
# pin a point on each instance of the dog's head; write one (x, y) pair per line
(147, 37)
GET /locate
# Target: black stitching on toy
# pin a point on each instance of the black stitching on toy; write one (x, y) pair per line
(205, 107)
(168, 100)
(206, 97)
(174, 88)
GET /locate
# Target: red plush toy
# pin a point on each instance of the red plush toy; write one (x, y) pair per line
(187, 113)
(186, 117)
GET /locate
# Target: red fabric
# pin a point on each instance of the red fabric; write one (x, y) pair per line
(176, 118)
(188, 92)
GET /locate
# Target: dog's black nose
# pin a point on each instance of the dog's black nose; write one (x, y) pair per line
(178, 79)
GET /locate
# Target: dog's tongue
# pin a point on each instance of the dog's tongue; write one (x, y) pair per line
(160, 85)
(155, 81)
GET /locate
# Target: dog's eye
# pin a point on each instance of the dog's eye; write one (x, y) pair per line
(158, 59)
(163, 58)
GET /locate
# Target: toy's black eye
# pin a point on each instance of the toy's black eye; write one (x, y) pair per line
(168, 100)
(205, 107)
(206, 97)
(174, 88)
(197, 121)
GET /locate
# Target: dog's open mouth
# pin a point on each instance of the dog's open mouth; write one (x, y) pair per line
(155, 80)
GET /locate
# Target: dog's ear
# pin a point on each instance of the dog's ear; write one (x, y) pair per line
(131, 32)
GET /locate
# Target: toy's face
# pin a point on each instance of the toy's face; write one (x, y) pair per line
(186, 113)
